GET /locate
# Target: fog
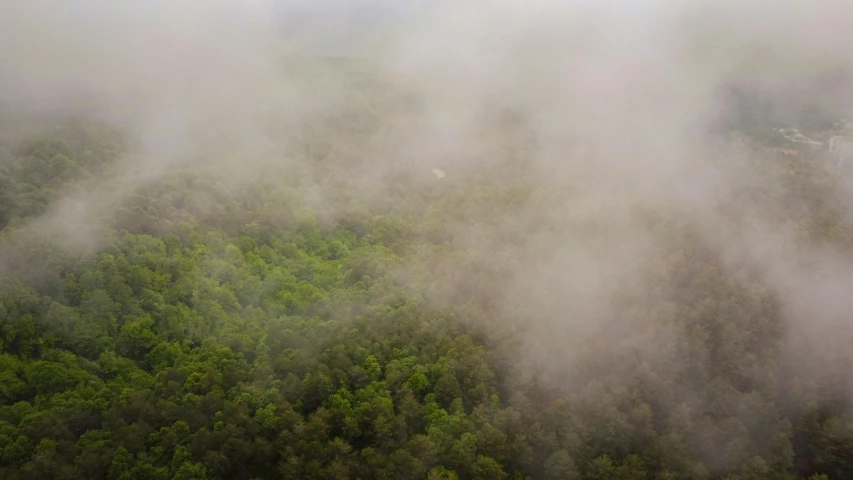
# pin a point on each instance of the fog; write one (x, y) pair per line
(619, 107)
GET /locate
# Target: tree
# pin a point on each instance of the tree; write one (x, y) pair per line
(487, 468)
(561, 466)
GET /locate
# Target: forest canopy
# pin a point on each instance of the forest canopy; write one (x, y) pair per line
(260, 275)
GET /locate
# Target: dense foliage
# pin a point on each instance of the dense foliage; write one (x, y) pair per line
(238, 333)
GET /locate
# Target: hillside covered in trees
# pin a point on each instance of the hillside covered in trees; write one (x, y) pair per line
(250, 270)
(243, 332)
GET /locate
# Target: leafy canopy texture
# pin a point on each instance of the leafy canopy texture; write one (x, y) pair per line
(216, 332)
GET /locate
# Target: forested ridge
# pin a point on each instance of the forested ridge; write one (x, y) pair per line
(222, 331)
